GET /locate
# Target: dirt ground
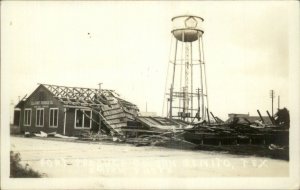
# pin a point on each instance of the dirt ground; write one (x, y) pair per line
(57, 158)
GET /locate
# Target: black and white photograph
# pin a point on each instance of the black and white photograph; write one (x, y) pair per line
(150, 95)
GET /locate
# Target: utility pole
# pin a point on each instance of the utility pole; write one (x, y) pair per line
(100, 86)
(168, 100)
(146, 107)
(278, 102)
(272, 95)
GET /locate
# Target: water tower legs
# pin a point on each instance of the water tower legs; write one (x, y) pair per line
(188, 90)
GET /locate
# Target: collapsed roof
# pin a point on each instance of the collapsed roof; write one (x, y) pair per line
(113, 110)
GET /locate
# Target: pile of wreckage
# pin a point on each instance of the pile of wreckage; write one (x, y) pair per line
(116, 119)
(239, 130)
(160, 131)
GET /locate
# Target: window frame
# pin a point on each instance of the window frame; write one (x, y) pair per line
(82, 125)
(24, 121)
(53, 126)
(36, 111)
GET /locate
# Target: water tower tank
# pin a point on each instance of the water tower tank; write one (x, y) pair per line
(187, 28)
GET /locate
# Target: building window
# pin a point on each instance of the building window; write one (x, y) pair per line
(83, 119)
(39, 117)
(27, 117)
(53, 117)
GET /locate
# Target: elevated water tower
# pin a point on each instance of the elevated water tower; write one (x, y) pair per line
(186, 89)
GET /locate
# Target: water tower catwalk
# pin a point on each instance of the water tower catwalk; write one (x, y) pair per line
(186, 86)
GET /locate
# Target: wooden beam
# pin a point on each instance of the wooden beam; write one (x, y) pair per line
(261, 118)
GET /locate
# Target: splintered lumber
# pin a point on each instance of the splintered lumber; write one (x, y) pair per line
(208, 116)
(148, 121)
(93, 120)
(129, 116)
(111, 112)
(163, 121)
(214, 117)
(155, 138)
(271, 118)
(220, 121)
(131, 111)
(107, 124)
(119, 115)
(261, 118)
(111, 107)
(119, 125)
(115, 121)
(240, 134)
(160, 122)
(140, 130)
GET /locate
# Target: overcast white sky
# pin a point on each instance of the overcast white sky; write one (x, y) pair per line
(125, 45)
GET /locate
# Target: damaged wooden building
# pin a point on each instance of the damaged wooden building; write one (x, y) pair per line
(72, 111)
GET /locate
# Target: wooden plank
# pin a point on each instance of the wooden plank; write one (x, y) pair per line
(132, 112)
(129, 116)
(120, 115)
(115, 121)
(112, 112)
(111, 107)
(141, 130)
(119, 125)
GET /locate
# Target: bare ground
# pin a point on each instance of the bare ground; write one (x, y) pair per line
(69, 158)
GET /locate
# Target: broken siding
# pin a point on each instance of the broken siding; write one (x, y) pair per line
(118, 112)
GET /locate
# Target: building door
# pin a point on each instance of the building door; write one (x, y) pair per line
(17, 114)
